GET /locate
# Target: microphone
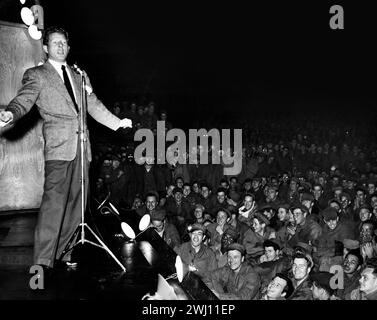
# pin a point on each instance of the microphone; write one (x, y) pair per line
(77, 69)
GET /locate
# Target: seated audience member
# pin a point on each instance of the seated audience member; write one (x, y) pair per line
(302, 265)
(273, 261)
(352, 265)
(248, 209)
(333, 230)
(279, 288)
(165, 229)
(217, 228)
(254, 238)
(151, 203)
(229, 236)
(321, 286)
(306, 230)
(368, 282)
(237, 280)
(199, 258)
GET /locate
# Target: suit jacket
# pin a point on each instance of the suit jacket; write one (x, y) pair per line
(43, 86)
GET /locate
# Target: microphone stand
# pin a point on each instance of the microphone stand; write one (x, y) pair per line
(81, 227)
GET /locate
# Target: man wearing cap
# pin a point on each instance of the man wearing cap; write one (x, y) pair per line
(116, 181)
(352, 264)
(254, 238)
(165, 229)
(178, 210)
(149, 177)
(321, 287)
(229, 236)
(307, 200)
(302, 265)
(199, 258)
(306, 230)
(237, 280)
(332, 231)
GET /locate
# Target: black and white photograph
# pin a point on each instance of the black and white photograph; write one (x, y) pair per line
(207, 151)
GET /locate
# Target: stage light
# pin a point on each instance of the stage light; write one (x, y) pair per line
(34, 32)
(22, 1)
(33, 18)
(27, 16)
(144, 224)
(180, 268)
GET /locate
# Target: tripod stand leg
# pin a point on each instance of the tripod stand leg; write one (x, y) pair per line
(68, 246)
(106, 248)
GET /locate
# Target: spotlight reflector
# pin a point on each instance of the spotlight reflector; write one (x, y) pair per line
(128, 231)
(27, 16)
(34, 32)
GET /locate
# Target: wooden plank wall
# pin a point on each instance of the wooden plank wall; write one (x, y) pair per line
(21, 147)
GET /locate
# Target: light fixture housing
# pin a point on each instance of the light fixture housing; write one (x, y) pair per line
(27, 16)
(34, 32)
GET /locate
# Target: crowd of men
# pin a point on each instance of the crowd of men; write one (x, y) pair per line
(298, 222)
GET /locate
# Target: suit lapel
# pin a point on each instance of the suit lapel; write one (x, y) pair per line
(57, 82)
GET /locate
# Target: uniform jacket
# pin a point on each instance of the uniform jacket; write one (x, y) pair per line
(204, 260)
(43, 86)
(243, 285)
(303, 291)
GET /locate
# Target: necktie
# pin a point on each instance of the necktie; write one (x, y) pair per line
(69, 87)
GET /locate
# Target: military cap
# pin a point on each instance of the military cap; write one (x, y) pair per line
(262, 218)
(345, 194)
(283, 205)
(308, 249)
(236, 246)
(177, 189)
(159, 214)
(307, 197)
(196, 226)
(351, 244)
(299, 206)
(329, 214)
(322, 280)
(235, 196)
(232, 232)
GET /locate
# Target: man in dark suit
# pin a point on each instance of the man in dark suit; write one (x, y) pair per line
(55, 89)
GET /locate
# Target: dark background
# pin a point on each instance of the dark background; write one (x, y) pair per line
(222, 61)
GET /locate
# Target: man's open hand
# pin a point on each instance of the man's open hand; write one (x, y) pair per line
(5, 117)
(125, 123)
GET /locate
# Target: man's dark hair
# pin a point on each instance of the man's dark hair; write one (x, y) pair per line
(371, 222)
(152, 194)
(51, 30)
(221, 189)
(356, 253)
(224, 180)
(288, 289)
(248, 195)
(270, 243)
(317, 185)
